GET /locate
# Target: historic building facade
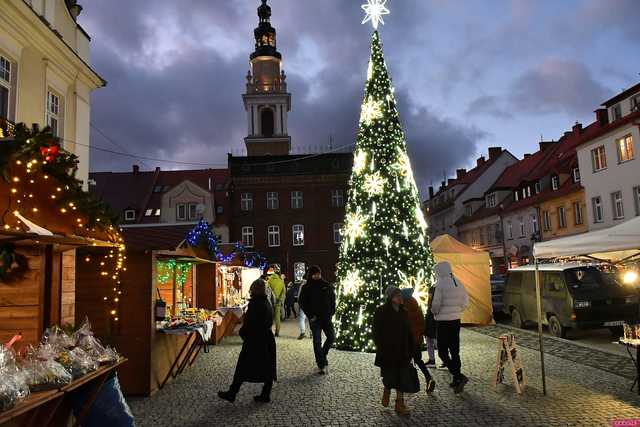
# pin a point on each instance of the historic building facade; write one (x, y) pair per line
(45, 72)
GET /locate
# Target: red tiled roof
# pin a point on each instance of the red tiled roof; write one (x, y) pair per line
(622, 95)
(602, 130)
(155, 237)
(471, 175)
(567, 188)
(515, 174)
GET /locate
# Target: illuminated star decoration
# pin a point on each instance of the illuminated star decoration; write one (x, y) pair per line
(370, 112)
(419, 284)
(352, 283)
(374, 183)
(354, 226)
(360, 161)
(374, 10)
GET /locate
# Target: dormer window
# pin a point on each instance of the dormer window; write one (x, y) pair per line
(516, 195)
(616, 112)
(129, 215)
(491, 200)
(575, 173)
(538, 187)
(468, 211)
(635, 103)
(555, 182)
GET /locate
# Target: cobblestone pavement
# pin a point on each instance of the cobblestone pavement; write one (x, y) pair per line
(578, 395)
(616, 364)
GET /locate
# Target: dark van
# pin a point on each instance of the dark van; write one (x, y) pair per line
(574, 296)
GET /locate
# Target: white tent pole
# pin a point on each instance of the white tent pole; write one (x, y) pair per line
(539, 304)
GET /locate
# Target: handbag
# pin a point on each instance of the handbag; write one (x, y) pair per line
(409, 381)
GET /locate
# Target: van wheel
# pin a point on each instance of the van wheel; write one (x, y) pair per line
(556, 328)
(516, 319)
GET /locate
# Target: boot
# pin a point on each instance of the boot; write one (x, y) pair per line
(227, 395)
(401, 408)
(386, 397)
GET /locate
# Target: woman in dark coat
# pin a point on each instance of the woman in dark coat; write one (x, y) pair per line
(257, 360)
(394, 347)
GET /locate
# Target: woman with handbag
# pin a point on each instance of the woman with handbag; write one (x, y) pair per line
(394, 350)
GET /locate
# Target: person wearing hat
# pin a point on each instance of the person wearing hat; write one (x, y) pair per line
(318, 301)
(257, 359)
(395, 347)
(279, 291)
(416, 321)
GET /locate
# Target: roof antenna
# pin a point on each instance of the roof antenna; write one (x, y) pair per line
(330, 142)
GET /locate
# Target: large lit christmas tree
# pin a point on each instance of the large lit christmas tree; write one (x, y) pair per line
(385, 234)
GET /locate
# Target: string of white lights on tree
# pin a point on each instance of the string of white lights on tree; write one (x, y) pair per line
(385, 234)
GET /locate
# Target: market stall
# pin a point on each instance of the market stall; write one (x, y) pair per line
(619, 245)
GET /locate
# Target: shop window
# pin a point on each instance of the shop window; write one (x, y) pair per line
(337, 198)
(175, 284)
(246, 202)
(297, 201)
(272, 200)
(298, 235)
(248, 240)
(625, 149)
(599, 158)
(562, 217)
(337, 233)
(273, 236)
(598, 214)
(618, 205)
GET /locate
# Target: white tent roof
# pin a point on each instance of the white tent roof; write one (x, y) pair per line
(612, 244)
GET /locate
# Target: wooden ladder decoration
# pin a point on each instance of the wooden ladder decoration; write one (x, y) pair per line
(509, 358)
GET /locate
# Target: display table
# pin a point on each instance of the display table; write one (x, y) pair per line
(54, 407)
(197, 337)
(629, 344)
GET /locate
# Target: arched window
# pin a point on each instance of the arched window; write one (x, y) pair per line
(267, 123)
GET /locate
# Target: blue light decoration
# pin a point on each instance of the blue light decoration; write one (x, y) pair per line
(203, 234)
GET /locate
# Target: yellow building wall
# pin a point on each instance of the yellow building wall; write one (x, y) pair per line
(567, 202)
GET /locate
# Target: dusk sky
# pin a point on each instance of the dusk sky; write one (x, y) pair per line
(468, 74)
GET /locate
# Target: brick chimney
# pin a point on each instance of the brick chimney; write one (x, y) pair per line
(527, 155)
(136, 169)
(481, 161)
(545, 145)
(602, 116)
(460, 173)
(577, 128)
(494, 152)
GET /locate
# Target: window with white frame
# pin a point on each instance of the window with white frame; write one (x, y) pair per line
(635, 103)
(248, 239)
(534, 224)
(546, 220)
(186, 211)
(297, 200)
(599, 158)
(5, 86)
(157, 212)
(337, 233)
(538, 187)
(555, 182)
(491, 200)
(54, 113)
(618, 205)
(272, 200)
(273, 236)
(598, 214)
(510, 229)
(636, 198)
(522, 231)
(337, 198)
(246, 202)
(624, 146)
(148, 212)
(562, 217)
(298, 235)
(129, 215)
(577, 213)
(575, 173)
(516, 196)
(528, 191)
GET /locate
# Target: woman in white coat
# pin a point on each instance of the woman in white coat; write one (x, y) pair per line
(449, 301)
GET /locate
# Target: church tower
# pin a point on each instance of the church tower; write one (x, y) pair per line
(266, 100)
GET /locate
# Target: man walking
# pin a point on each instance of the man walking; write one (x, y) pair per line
(318, 301)
(279, 290)
(449, 301)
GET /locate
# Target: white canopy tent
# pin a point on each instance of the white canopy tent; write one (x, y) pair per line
(615, 245)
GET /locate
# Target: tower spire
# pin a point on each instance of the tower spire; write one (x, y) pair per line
(265, 34)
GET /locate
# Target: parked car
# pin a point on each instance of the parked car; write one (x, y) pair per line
(574, 296)
(497, 290)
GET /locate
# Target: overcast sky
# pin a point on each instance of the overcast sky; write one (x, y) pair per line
(468, 74)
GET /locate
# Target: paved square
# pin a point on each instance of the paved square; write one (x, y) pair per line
(349, 396)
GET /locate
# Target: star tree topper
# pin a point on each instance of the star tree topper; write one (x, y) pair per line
(375, 10)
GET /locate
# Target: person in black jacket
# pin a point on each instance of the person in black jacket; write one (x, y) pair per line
(257, 360)
(395, 347)
(318, 301)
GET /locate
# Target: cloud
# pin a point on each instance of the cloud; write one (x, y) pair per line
(488, 105)
(557, 85)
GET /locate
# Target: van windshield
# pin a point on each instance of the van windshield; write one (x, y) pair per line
(590, 278)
